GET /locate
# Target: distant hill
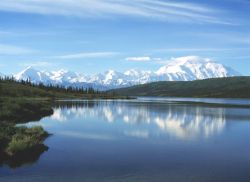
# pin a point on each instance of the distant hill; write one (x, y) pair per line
(231, 87)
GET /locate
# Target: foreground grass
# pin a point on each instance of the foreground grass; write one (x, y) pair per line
(21, 145)
(14, 140)
(17, 110)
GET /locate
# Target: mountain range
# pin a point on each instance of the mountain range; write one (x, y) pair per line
(180, 69)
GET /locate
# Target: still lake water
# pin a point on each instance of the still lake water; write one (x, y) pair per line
(142, 140)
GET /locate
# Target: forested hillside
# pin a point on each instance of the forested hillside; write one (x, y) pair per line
(231, 87)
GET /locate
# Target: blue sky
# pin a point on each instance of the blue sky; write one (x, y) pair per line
(91, 36)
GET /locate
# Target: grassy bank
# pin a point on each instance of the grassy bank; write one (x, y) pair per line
(12, 88)
(16, 139)
(20, 145)
(20, 110)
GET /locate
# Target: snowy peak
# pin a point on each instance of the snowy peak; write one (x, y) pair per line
(113, 78)
(61, 76)
(178, 69)
(32, 74)
(111, 74)
(194, 67)
(136, 73)
(182, 64)
(26, 73)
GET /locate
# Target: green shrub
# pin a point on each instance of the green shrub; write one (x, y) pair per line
(18, 139)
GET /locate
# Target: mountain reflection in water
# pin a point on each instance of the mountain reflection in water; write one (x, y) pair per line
(140, 140)
(181, 121)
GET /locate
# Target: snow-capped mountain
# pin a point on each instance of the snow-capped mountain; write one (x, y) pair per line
(33, 75)
(193, 68)
(178, 69)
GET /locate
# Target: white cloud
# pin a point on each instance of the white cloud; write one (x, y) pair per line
(87, 55)
(214, 49)
(27, 33)
(146, 59)
(153, 9)
(164, 60)
(193, 49)
(138, 59)
(13, 50)
(184, 59)
(5, 33)
(37, 64)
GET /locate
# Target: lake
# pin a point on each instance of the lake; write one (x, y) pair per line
(146, 139)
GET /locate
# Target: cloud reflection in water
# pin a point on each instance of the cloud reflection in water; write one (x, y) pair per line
(148, 119)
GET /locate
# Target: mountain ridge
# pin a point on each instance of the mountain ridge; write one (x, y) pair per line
(179, 69)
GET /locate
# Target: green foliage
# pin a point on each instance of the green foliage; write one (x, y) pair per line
(20, 145)
(11, 88)
(18, 110)
(15, 140)
(25, 89)
(232, 87)
(24, 140)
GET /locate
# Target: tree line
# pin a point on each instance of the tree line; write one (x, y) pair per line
(51, 87)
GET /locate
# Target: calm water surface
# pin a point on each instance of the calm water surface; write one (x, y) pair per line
(142, 140)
